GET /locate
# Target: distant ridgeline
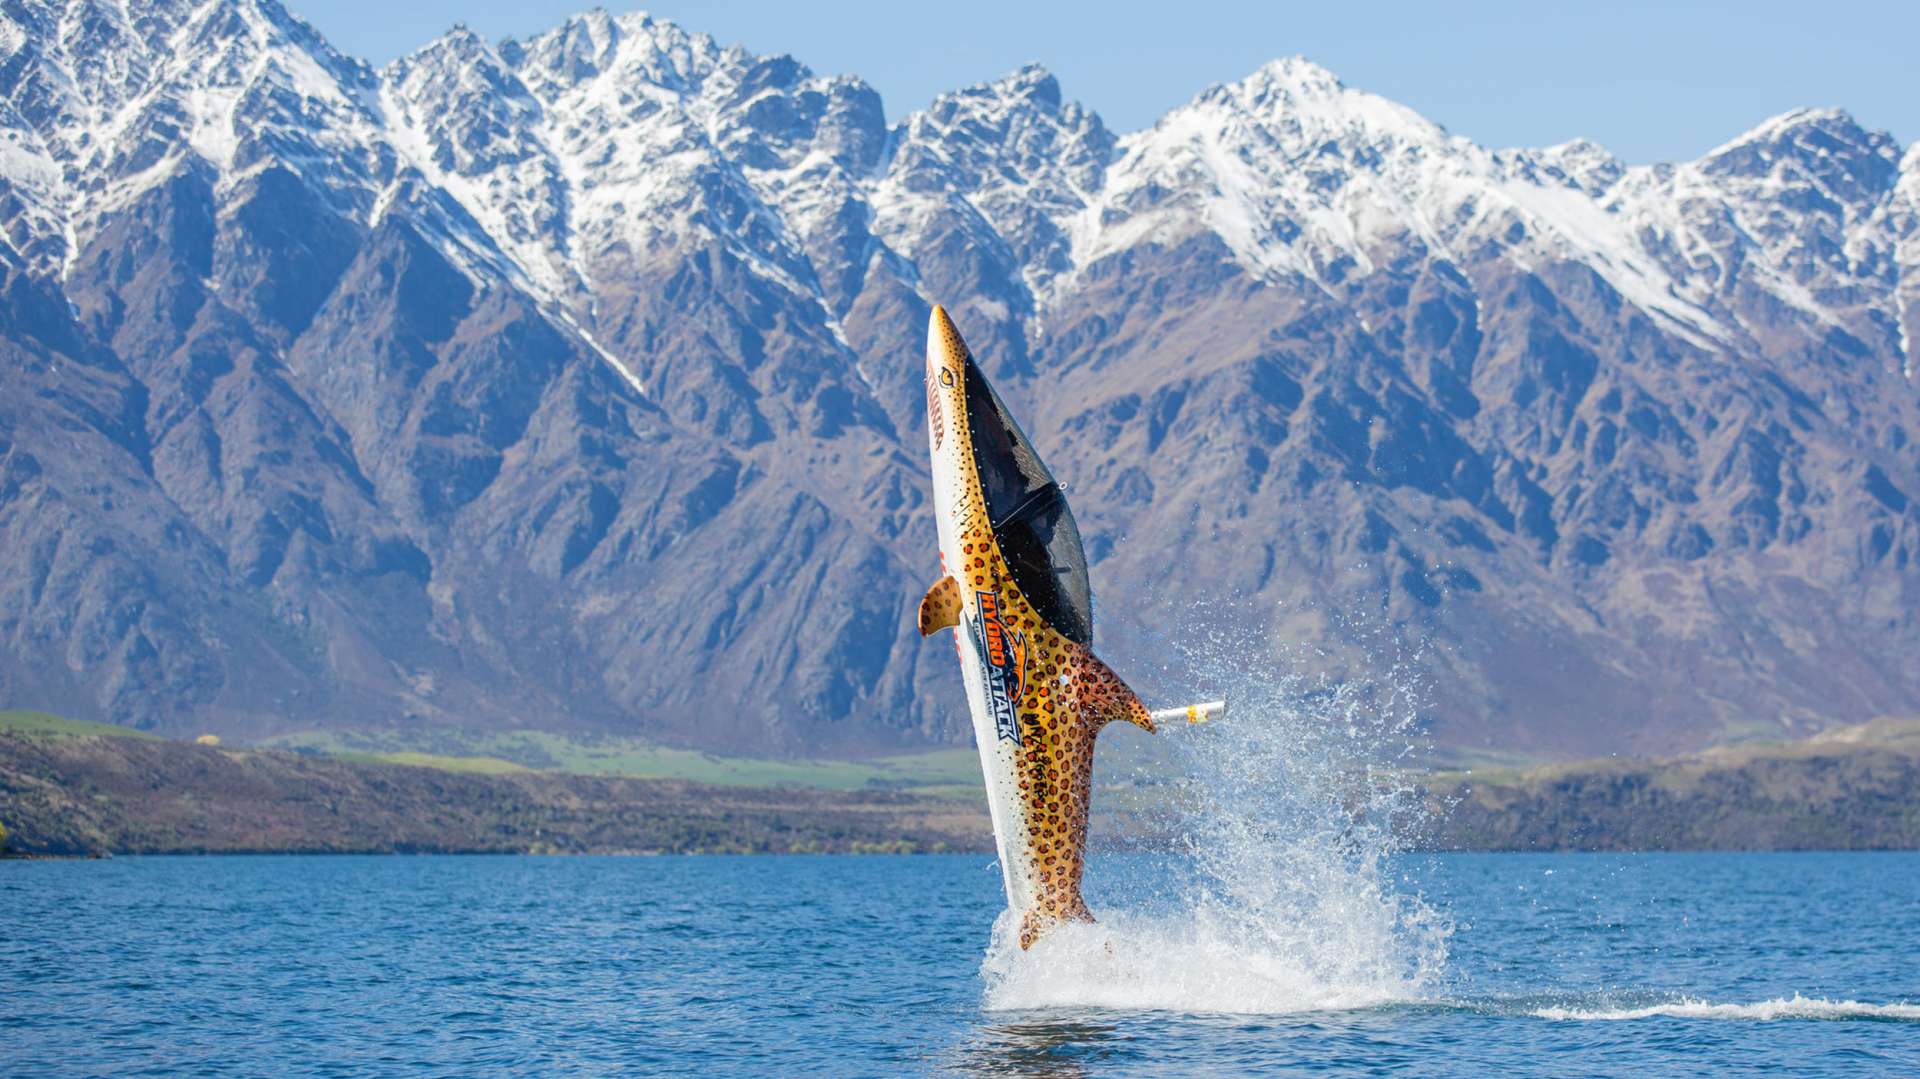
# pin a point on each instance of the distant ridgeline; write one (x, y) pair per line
(569, 383)
(76, 788)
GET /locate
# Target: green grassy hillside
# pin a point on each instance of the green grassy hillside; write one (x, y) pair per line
(945, 772)
(18, 721)
(938, 771)
(64, 795)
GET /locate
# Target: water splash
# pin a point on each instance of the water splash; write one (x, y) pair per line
(1280, 896)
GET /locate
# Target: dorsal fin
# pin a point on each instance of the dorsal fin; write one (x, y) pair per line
(940, 607)
(1099, 694)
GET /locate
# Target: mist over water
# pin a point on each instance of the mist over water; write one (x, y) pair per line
(1281, 895)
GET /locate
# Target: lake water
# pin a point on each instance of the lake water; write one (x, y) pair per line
(1655, 965)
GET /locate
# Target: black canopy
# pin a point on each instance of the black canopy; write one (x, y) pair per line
(1029, 513)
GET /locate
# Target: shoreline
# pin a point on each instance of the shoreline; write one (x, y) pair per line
(75, 795)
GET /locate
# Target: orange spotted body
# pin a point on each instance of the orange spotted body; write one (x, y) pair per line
(1038, 694)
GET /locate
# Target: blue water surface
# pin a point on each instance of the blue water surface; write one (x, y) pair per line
(1650, 965)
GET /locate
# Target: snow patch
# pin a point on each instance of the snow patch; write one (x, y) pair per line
(633, 134)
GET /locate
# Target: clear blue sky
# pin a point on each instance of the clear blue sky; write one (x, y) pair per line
(1650, 81)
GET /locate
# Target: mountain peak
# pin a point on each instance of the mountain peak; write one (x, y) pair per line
(600, 23)
(459, 45)
(1827, 147)
(1027, 85)
(635, 45)
(462, 37)
(1030, 82)
(1782, 124)
(1295, 96)
(1295, 74)
(1582, 162)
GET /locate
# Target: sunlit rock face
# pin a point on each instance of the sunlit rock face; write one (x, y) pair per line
(574, 382)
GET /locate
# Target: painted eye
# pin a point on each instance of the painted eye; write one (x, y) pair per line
(946, 377)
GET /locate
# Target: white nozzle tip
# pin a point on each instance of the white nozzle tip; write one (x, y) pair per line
(1204, 712)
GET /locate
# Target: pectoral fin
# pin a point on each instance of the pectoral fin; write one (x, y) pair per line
(940, 608)
(1100, 695)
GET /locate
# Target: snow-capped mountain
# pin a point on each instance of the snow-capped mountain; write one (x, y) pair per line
(575, 381)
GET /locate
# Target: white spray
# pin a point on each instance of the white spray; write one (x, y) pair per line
(1281, 895)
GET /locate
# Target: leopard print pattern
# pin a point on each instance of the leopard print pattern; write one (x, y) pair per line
(1067, 696)
(940, 607)
(1058, 779)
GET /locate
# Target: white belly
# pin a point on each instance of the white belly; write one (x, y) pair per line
(999, 758)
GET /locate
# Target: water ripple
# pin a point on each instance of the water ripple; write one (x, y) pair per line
(827, 966)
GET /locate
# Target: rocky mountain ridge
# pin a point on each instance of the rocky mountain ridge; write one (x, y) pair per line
(575, 381)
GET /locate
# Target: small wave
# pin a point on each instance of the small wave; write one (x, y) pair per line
(1796, 1007)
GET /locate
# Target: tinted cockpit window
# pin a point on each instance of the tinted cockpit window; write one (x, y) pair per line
(1029, 514)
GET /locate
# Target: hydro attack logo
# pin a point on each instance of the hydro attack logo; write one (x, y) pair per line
(1003, 659)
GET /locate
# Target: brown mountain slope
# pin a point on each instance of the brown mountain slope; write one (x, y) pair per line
(573, 383)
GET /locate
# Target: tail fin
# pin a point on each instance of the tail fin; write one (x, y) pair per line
(1100, 695)
(1035, 923)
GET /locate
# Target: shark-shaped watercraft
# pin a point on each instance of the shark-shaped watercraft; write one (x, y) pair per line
(1016, 593)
